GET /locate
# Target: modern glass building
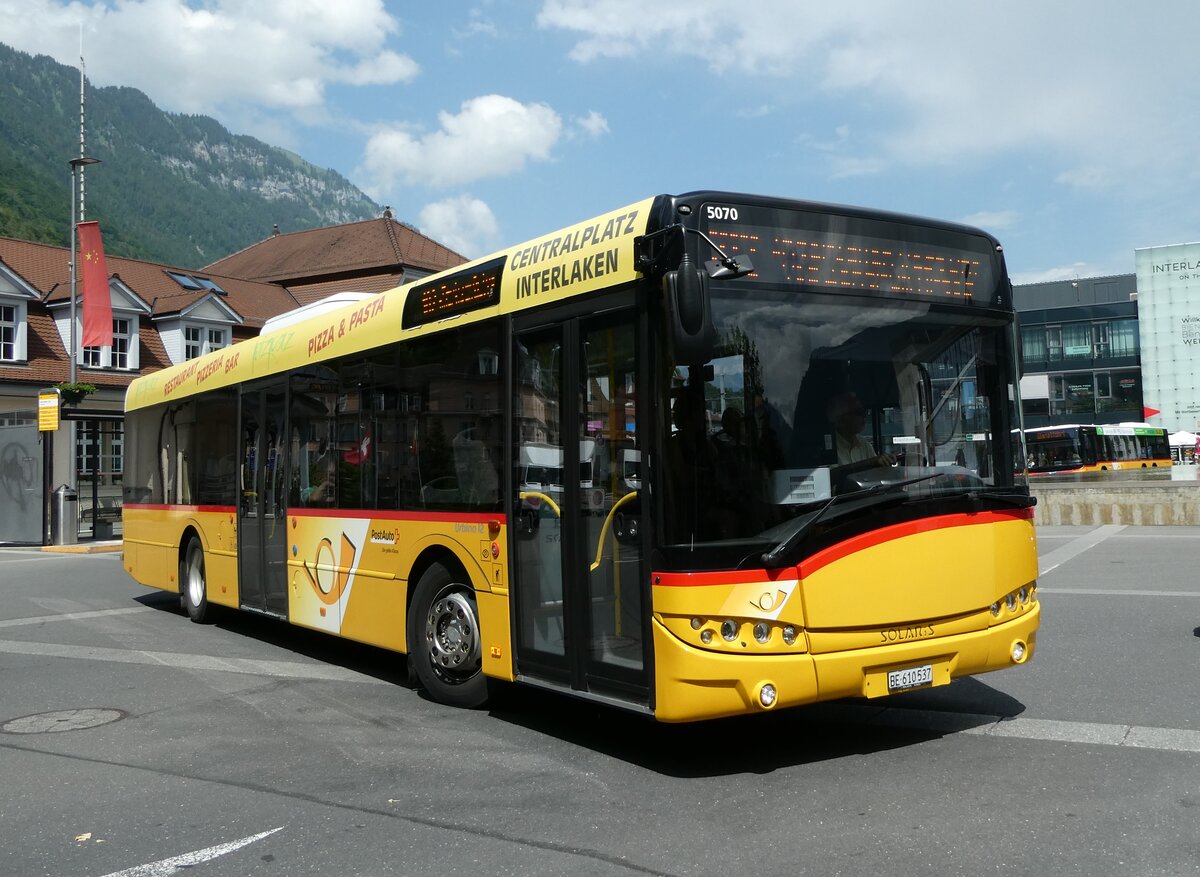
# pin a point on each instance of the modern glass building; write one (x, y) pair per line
(1119, 348)
(1082, 348)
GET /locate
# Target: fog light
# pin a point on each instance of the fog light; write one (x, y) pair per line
(697, 623)
(1018, 652)
(789, 635)
(762, 631)
(1011, 602)
(706, 636)
(996, 608)
(767, 695)
(729, 629)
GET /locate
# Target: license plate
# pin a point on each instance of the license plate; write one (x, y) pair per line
(910, 677)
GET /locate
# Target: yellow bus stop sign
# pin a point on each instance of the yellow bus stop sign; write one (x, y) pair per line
(48, 405)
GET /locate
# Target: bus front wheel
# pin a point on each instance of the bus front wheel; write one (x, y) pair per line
(193, 587)
(445, 649)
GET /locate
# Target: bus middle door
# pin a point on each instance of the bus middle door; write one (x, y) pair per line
(262, 512)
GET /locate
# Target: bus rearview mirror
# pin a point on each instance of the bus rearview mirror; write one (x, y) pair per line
(690, 312)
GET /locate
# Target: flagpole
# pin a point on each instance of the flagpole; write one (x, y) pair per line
(77, 166)
(71, 352)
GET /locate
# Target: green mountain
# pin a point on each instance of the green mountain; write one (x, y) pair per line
(172, 188)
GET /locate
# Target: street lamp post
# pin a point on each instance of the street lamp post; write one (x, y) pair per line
(77, 166)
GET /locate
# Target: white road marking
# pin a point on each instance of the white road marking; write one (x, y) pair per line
(73, 616)
(1076, 547)
(167, 867)
(1044, 730)
(1117, 592)
(281, 669)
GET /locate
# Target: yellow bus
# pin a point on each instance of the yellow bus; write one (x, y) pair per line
(805, 395)
(1071, 449)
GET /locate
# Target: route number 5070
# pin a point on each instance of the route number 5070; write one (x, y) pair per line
(722, 213)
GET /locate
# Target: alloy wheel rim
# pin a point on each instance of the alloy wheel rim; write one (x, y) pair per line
(452, 635)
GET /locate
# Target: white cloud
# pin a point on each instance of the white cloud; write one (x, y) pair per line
(1061, 272)
(992, 220)
(384, 69)
(464, 224)
(593, 124)
(491, 136)
(1097, 93)
(202, 57)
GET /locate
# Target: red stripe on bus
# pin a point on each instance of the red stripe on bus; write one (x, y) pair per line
(382, 514)
(724, 577)
(387, 515)
(833, 553)
(158, 507)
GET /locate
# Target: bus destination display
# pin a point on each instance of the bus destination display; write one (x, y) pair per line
(848, 260)
(457, 294)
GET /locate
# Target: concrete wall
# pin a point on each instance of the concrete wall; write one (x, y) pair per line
(1146, 503)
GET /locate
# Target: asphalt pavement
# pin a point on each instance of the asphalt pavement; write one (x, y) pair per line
(133, 742)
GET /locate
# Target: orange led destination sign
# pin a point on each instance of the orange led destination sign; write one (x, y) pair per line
(829, 251)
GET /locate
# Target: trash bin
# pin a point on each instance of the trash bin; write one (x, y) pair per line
(64, 516)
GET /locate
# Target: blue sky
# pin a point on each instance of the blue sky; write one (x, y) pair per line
(1068, 129)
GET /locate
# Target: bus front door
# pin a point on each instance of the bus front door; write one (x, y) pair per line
(579, 579)
(262, 512)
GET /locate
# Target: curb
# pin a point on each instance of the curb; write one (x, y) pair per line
(84, 548)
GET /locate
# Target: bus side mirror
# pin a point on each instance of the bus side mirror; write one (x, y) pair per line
(689, 310)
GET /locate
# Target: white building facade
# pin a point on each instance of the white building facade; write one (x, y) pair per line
(1168, 298)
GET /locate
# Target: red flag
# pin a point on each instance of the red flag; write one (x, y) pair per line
(97, 304)
(361, 454)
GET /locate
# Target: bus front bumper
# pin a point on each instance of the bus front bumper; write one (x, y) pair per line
(693, 684)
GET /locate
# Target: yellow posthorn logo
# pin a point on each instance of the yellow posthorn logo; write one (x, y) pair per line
(328, 580)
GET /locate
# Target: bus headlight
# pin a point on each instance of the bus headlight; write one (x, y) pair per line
(996, 608)
(767, 695)
(706, 636)
(762, 631)
(729, 629)
(789, 635)
(1010, 600)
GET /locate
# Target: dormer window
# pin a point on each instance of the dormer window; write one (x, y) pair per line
(122, 355)
(12, 332)
(199, 340)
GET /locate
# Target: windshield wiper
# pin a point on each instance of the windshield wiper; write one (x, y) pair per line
(1017, 500)
(771, 558)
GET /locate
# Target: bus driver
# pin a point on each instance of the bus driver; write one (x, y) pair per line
(848, 417)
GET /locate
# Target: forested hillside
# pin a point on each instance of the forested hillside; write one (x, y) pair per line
(172, 188)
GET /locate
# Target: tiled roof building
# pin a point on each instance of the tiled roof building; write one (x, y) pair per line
(162, 315)
(173, 313)
(368, 256)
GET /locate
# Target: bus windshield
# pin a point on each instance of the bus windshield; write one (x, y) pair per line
(1055, 450)
(812, 395)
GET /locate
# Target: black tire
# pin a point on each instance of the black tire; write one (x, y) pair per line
(445, 650)
(193, 585)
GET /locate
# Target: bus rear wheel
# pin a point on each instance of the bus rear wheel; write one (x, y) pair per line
(193, 586)
(445, 648)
